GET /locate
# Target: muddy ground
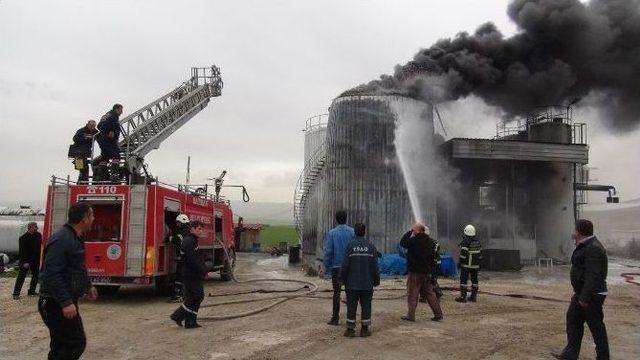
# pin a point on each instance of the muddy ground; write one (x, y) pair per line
(134, 323)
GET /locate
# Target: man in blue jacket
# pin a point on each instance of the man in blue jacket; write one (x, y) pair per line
(335, 244)
(63, 281)
(359, 274)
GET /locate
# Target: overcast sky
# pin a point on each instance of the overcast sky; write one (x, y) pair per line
(63, 62)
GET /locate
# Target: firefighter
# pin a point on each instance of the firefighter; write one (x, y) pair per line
(194, 271)
(83, 140)
(109, 127)
(183, 230)
(469, 263)
(435, 272)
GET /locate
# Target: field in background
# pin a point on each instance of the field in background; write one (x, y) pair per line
(272, 235)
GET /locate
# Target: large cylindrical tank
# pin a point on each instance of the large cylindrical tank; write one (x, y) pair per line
(314, 137)
(379, 152)
(12, 227)
(550, 132)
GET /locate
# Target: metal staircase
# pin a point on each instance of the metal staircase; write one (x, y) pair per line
(312, 170)
(144, 130)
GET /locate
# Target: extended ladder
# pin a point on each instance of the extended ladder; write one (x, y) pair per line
(144, 130)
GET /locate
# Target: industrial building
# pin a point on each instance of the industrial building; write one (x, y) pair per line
(378, 158)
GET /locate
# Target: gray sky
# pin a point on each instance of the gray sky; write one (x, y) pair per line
(63, 62)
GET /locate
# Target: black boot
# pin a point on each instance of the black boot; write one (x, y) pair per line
(463, 295)
(179, 315)
(474, 294)
(190, 322)
(350, 332)
(364, 331)
(333, 321)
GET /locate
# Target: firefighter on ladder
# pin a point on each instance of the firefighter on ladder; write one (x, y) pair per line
(183, 230)
(194, 271)
(469, 264)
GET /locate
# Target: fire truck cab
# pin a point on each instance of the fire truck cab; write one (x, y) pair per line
(130, 239)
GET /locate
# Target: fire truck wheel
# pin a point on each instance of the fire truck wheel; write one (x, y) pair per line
(107, 290)
(229, 265)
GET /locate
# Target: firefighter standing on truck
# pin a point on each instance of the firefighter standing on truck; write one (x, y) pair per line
(194, 271)
(469, 264)
(183, 230)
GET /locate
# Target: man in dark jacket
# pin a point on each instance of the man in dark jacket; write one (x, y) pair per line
(109, 127)
(83, 140)
(588, 279)
(29, 259)
(63, 281)
(359, 274)
(420, 249)
(194, 271)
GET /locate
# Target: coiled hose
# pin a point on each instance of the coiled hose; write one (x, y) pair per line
(279, 299)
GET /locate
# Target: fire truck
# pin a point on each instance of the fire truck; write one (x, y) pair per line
(135, 214)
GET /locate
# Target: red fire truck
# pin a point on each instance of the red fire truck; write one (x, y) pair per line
(129, 242)
(135, 213)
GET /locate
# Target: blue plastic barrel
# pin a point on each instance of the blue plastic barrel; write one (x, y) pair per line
(448, 266)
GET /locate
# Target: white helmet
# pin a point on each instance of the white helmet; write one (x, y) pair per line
(469, 230)
(182, 219)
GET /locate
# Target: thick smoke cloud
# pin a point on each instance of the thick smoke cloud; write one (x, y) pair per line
(565, 50)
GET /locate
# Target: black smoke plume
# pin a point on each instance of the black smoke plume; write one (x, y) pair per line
(564, 50)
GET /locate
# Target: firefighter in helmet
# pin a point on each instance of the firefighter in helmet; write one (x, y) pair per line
(469, 263)
(183, 230)
(194, 271)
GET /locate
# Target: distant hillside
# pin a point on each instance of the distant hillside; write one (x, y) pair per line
(264, 212)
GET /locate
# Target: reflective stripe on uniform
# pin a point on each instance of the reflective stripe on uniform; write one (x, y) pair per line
(189, 310)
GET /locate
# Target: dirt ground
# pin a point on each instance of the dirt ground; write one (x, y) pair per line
(134, 323)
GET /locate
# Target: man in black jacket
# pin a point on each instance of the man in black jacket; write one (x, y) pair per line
(109, 127)
(194, 271)
(359, 274)
(588, 279)
(29, 259)
(63, 281)
(420, 249)
(83, 140)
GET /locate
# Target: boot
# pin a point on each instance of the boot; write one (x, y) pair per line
(350, 333)
(364, 331)
(179, 315)
(190, 322)
(474, 294)
(463, 295)
(333, 321)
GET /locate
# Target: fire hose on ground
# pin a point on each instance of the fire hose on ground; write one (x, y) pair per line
(313, 291)
(278, 299)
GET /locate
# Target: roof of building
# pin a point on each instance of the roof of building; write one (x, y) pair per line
(492, 149)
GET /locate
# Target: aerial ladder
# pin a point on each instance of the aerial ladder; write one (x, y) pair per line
(145, 129)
